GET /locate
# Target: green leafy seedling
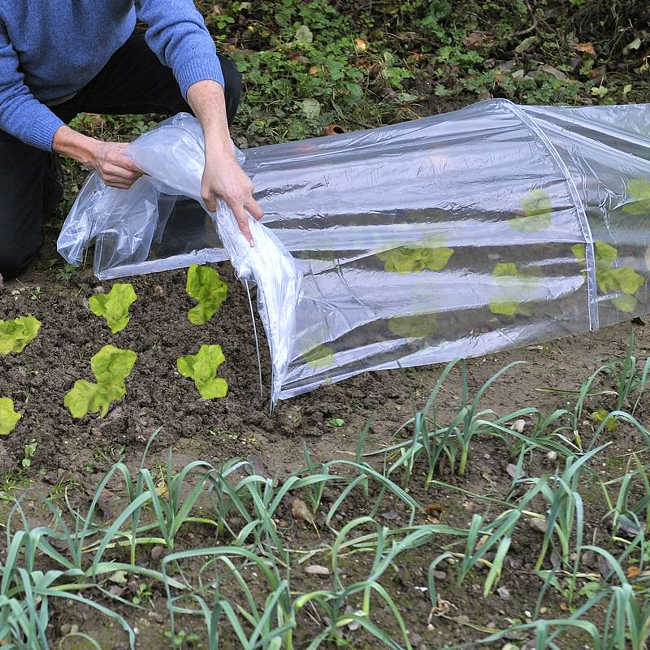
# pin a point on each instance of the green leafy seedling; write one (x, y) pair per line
(204, 285)
(537, 209)
(114, 305)
(600, 416)
(8, 417)
(414, 259)
(505, 303)
(202, 368)
(638, 189)
(16, 334)
(609, 279)
(111, 366)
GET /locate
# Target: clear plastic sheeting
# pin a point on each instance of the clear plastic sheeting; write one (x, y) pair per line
(451, 236)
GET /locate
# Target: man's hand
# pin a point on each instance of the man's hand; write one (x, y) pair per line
(115, 168)
(223, 178)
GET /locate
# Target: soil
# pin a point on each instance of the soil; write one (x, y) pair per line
(159, 399)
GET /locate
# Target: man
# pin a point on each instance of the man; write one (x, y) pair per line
(61, 58)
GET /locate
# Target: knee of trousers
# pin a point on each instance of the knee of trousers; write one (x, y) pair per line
(15, 259)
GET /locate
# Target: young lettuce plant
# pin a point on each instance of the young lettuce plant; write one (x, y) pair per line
(111, 366)
(204, 285)
(8, 417)
(114, 306)
(202, 368)
(16, 334)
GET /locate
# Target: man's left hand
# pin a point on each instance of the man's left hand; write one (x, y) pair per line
(224, 179)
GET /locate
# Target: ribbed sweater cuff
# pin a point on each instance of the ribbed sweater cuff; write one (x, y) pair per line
(41, 131)
(199, 69)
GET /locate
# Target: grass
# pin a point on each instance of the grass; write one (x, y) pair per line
(71, 558)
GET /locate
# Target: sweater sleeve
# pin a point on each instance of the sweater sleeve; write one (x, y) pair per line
(177, 35)
(21, 114)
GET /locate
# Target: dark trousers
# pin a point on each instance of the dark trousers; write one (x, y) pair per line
(133, 81)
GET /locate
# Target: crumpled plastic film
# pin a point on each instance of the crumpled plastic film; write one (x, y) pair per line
(451, 236)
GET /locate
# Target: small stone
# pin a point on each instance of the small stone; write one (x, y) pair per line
(98, 289)
(538, 524)
(503, 592)
(74, 628)
(518, 425)
(440, 575)
(65, 629)
(317, 570)
(157, 552)
(551, 456)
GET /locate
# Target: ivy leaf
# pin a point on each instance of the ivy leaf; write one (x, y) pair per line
(537, 209)
(639, 190)
(204, 285)
(202, 368)
(111, 366)
(8, 417)
(114, 305)
(16, 334)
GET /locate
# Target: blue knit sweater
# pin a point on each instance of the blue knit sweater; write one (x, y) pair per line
(50, 49)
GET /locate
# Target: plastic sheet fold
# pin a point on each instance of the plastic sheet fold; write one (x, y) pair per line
(451, 236)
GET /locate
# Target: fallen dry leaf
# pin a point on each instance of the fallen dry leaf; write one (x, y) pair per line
(333, 129)
(587, 48)
(300, 510)
(476, 38)
(633, 572)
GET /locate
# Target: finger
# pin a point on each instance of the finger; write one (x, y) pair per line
(127, 163)
(242, 221)
(117, 184)
(254, 208)
(129, 175)
(210, 202)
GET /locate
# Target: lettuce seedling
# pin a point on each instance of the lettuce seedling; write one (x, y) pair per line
(202, 368)
(114, 305)
(537, 209)
(111, 366)
(204, 285)
(638, 189)
(621, 279)
(17, 333)
(8, 417)
(507, 302)
(430, 253)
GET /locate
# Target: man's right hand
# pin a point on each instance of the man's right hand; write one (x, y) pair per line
(108, 158)
(115, 168)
